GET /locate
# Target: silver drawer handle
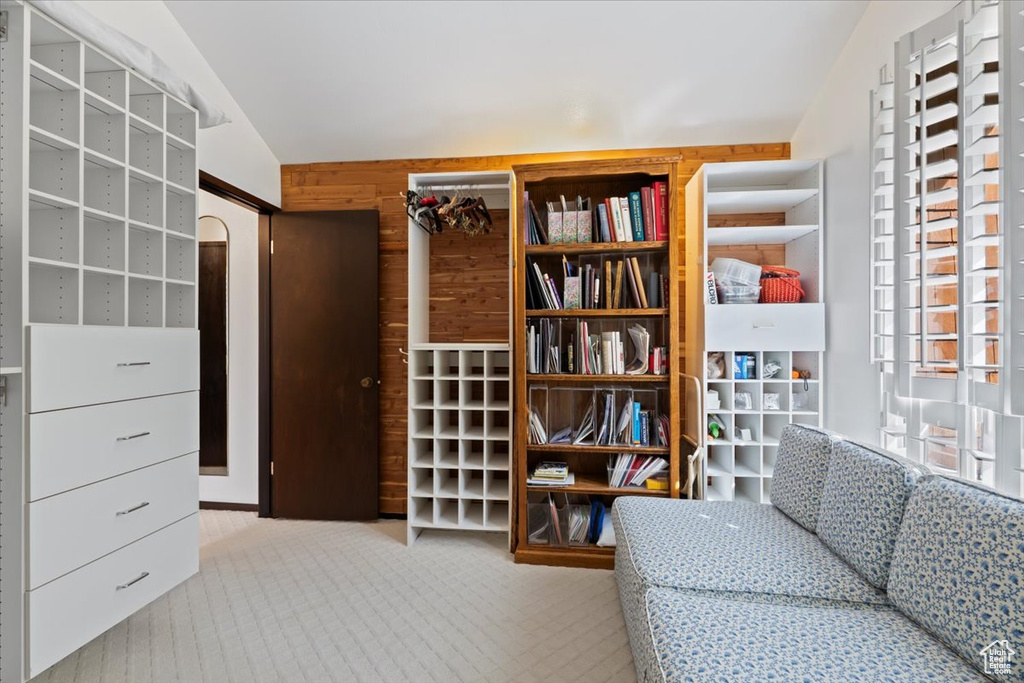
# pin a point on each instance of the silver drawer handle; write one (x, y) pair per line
(134, 365)
(133, 436)
(759, 326)
(134, 581)
(130, 510)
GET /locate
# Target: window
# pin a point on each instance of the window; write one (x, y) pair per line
(947, 315)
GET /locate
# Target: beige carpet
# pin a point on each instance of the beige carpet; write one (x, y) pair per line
(296, 601)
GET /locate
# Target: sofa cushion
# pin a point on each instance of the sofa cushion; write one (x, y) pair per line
(862, 506)
(695, 637)
(730, 547)
(800, 470)
(958, 567)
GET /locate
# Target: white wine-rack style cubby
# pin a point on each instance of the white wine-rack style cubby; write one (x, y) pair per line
(459, 437)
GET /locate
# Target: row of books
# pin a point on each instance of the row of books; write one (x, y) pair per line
(628, 425)
(583, 287)
(642, 216)
(630, 469)
(592, 354)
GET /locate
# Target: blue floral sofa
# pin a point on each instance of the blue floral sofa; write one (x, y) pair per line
(864, 568)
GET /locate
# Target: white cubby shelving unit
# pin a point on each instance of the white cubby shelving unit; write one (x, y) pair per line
(459, 437)
(769, 213)
(110, 198)
(460, 398)
(98, 184)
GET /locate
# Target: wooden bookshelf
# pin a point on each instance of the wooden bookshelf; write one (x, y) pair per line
(588, 463)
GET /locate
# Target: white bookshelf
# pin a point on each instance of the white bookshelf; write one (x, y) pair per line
(109, 202)
(772, 211)
(460, 397)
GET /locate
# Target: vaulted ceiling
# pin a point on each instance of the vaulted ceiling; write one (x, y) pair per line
(334, 81)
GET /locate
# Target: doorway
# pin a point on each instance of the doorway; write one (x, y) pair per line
(323, 366)
(213, 346)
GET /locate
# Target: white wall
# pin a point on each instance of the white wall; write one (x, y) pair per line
(835, 128)
(241, 485)
(233, 152)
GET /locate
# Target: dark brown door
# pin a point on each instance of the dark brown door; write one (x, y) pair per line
(213, 355)
(324, 393)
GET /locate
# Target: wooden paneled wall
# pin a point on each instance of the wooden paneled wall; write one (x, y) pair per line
(469, 286)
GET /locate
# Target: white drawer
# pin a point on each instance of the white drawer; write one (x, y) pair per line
(71, 611)
(71, 448)
(74, 528)
(765, 327)
(77, 366)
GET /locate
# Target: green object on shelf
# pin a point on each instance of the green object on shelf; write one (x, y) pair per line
(716, 429)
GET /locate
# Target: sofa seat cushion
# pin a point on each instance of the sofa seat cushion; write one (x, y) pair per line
(958, 569)
(729, 547)
(862, 506)
(801, 467)
(695, 637)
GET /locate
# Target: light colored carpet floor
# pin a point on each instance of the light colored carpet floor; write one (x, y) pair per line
(279, 600)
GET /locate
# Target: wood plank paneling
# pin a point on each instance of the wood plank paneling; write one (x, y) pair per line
(379, 185)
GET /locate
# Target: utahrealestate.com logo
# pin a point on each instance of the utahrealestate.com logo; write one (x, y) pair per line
(998, 657)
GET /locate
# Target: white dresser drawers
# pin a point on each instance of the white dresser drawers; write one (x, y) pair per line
(71, 448)
(765, 327)
(74, 528)
(79, 366)
(67, 613)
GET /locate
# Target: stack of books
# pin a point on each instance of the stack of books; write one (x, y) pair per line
(628, 469)
(551, 474)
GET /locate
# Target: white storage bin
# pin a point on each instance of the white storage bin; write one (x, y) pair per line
(730, 271)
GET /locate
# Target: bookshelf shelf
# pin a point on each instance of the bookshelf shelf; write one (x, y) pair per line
(597, 379)
(563, 399)
(590, 556)
(598, 487)
(595, 248)
(583, 448)
(598, 313)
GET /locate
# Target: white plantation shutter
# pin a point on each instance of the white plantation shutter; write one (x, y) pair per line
(927, 173)
(883, 216)
(1012, 153)
(981, 232)
(953, 383)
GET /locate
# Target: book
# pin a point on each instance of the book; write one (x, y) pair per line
(538, 225)
(615, 211)
(636, 216)
(636, 423)
(661, 216)
(654, 290)
(604, 228)
(607, 284)
(631, 280)
(617, 294)
(641, 294)
(647, 204)
(641, 350)
(627, 225)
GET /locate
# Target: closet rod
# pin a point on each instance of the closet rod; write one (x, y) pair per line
(462, 187)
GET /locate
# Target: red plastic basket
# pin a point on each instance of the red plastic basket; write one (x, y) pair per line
(780, 285)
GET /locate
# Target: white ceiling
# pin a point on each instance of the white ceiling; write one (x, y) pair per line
(335, 81)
